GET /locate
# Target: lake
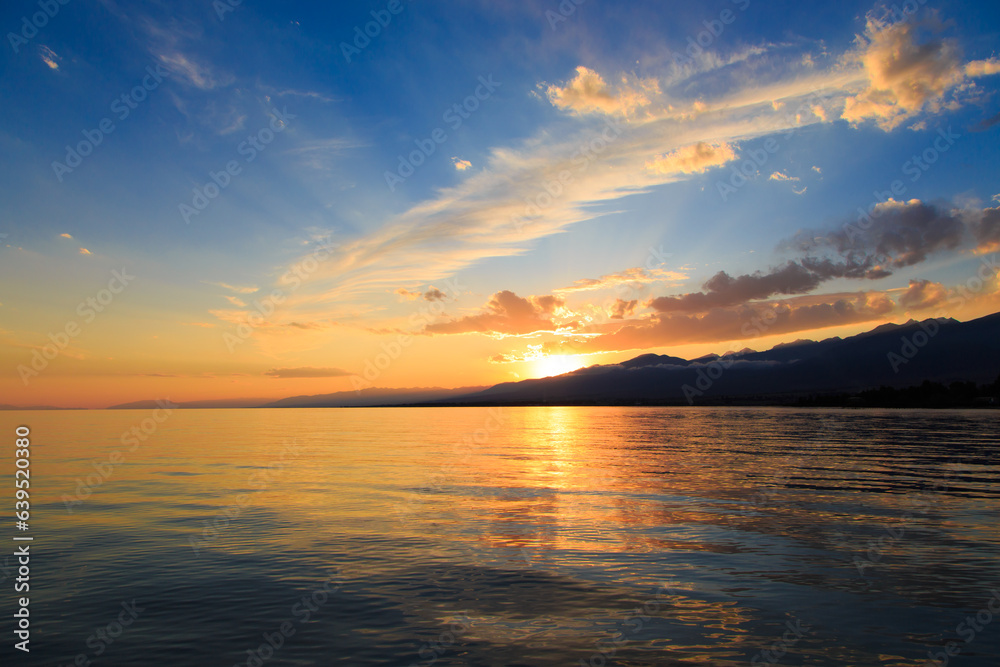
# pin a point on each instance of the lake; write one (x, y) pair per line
(513, 536)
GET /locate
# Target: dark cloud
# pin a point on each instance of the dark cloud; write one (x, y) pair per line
(434, 294)
(724, 290)
(896, 235)
(623, 309)
(987, 230)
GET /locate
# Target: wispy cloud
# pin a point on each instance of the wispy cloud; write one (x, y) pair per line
(633, 277)
(49, 57)
(232, 288)
(186, 69)
(321, 154)
(289, 373)
(781, 176)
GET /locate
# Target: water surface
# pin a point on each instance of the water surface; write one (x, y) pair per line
(524, 536)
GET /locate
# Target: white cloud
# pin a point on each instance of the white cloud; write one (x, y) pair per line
(781, 176)
(461, 165)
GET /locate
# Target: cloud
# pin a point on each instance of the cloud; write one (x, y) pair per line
(320, 154)
(233, 288)
(982, 67)
(239, 303)
(407, 294)
(188, 71)
(434, 294)
(923, 294)
(817, 170)
(899, 234)
(695, 159)
(288, 373)
(906, 76)
(780, 176)
(506, 314)
(308, 94)
(623, 309)
(84, 251)
(634, 277)
(587, 92)
(503, 208)
(49, 57)
(730, 324)
(724, 290)
(987, 231)
(65, 236)
(800, 192)
(461, 165)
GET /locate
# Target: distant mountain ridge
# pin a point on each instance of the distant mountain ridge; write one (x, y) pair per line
(341, 399)
(892, 355)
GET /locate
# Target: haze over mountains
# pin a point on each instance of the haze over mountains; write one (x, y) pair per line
(898, 356)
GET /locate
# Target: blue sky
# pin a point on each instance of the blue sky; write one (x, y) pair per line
(845, 95)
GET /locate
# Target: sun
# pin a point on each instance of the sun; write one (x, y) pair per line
(555, 364)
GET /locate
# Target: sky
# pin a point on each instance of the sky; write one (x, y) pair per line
(207, 200)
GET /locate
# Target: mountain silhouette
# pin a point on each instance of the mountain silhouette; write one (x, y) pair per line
(892, 355)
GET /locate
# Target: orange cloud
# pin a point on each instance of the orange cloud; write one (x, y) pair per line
(923, 294)
(904, 76)
(695, 159)
(587, 92)
(727, 324)
(506, 314)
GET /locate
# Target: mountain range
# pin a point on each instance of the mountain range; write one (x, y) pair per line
(892, 356)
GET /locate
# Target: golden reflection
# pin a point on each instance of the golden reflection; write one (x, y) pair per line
(636, 495)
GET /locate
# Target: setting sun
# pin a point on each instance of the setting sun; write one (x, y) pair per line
(555, 364)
